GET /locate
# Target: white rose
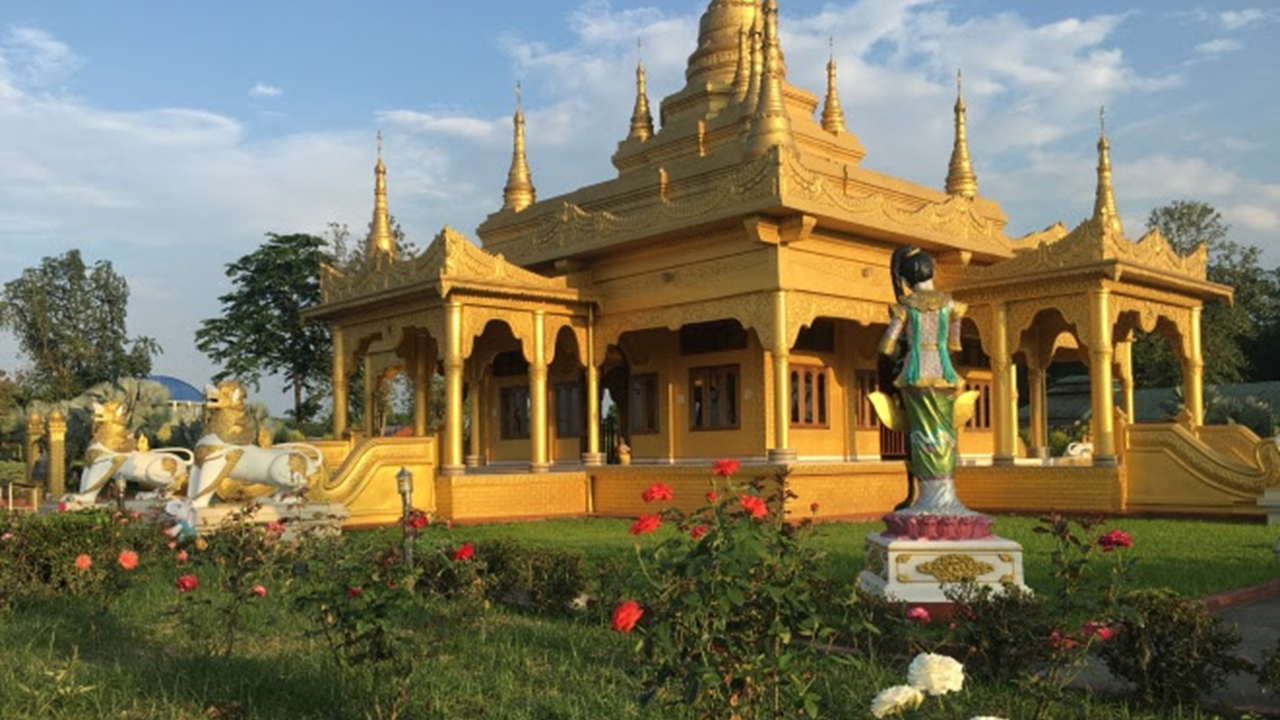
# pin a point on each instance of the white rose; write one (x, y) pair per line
(935, 674)
(896, 699)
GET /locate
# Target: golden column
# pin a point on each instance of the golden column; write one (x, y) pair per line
(451, 459)
(477, 412)
(592, 457)
(1124, 362)
(1004, 427)
(780, 452)
(538, 397)
(1193, 370)
(1037, 385)
(1101, 387)
(340, 402)
(57, 454)
(370, 386)
(421, 386)
(35, 431)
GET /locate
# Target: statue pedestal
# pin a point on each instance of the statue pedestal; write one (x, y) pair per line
(298, 518)
(914, 571)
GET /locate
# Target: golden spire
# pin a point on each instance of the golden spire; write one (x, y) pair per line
(519, 192)
(832, 115)
(742, 73)
(641, 118)
(770, 125)
(755, 56)
(380, 239)
(1104, 204)
(961, 179)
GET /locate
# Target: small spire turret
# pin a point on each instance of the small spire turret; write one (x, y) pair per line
(742, 73)
(519, 192)
(770, 125)
(832, 114)
(381, 239)
(755, 38)
(641, 118)
(961, 180)
(1104, 204)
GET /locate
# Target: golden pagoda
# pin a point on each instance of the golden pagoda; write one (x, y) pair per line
(727, 290)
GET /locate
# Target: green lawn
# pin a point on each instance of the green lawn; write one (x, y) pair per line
(68, 658)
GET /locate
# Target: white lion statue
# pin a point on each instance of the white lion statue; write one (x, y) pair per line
(115, 454)
(227, 453)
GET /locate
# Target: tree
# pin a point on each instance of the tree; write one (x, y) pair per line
(261, 331)
(1228, 332)
(70, 323)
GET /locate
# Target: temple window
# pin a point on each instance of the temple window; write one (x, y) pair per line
(713, 397)
(808, 396)
(642, 410)
(707, 337)
(982, 408)
(864, 383)
(569, 407)
(515, 412)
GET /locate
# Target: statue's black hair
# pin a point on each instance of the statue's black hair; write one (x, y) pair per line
(910, 266)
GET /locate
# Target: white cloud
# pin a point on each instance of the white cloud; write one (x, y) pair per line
(1237, 19)
(262, 90)
(1254, 217)
(34, 58)
(1219, 46)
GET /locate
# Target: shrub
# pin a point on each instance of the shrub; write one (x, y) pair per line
(722, 600)
(1003, 633)
(1172, 649)
(1269, 671)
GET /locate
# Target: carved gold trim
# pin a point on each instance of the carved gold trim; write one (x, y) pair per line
(955, 567)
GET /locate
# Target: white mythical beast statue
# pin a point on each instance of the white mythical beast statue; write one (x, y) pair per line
(115, 454)
(227, 453)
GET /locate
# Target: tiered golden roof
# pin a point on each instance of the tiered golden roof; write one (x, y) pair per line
(832, 114)
(381, 239)
(961, 180)
(1104, 205)
(641, 118)
(519, 192)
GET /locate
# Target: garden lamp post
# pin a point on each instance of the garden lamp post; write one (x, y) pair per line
(404, 483)
(120, 484)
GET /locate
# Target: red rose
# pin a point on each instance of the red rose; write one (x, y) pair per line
(275, 527)
(657, 491)
(918, 614)
(128, 559)
(259, 589)
(725, 468)
(187, 583)
(355, 592)
(181, 557)
(418, 520)
(1115, 539)
(712, 496)
(466, 552)
(1105, 633)
(626, 615)
(698, 531)
(62, 507)
(646, 524)
(814, 507)
(1060, 642)
(84, 562)
(754, 506)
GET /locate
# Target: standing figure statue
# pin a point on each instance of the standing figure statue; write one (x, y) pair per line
(924, 327)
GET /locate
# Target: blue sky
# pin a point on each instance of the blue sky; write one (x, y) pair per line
(168, 137)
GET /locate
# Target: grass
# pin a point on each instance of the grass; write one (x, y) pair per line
(123, 657)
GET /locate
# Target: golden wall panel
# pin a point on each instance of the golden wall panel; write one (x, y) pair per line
(515, 496)
(1034, 489)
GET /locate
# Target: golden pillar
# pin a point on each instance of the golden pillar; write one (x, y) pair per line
(1038, 387)
(1101, 387)
(370, 384)
(1004, 428)
(781, 350)
(35, 431)
(340, 402)
(477, 412)
(57, 454)
(421, 386)
(451, 460)
(592, 457)
(1193, 370)
(1124, 362)
(538, 397)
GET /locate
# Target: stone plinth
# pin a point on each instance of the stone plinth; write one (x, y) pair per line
(914, 571)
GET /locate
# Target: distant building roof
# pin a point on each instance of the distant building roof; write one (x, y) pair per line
(1069, 400)
(179, 390)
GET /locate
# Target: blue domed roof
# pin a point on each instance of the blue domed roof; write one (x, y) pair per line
(179, 391)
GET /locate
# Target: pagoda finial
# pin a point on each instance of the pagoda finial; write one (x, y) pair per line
(1104, 204)
(755, 38)
(519, 192)
(641, 118)
(381, 239)
(770, 125)
(832, 114)
(742, 73)
(961, 180)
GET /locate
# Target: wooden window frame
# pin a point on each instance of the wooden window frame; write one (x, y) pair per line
(574, 424)
(700, 413)
(648, 383)
(815, 414)
(864, 383)
(508, 396)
